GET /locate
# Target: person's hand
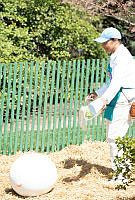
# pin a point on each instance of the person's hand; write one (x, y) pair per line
(91, 96)
(104, 102)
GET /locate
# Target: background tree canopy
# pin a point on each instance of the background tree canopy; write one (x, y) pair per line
(119, 14)
(47, 29)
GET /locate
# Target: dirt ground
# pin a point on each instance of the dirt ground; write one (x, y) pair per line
(83, 173)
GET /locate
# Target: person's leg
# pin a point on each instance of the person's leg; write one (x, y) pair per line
(118, 127)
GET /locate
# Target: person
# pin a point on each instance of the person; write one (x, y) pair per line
(119, 91)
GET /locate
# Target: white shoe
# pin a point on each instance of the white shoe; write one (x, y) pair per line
(115, 182)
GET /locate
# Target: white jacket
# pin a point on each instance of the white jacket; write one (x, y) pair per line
(123, 75)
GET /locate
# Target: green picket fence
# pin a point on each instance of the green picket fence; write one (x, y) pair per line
(39, 104)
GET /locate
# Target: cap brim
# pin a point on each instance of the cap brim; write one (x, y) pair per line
(101, 40)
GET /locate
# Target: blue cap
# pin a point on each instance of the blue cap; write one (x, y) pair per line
(108, 34)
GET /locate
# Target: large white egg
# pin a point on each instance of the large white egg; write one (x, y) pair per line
(33, 174)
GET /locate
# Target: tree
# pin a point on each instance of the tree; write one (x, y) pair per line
(122, 10)
(120, 14)
(50, 29)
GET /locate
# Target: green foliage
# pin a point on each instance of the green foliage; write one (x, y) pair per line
(43, 30)
(126, 161)
(50, 29)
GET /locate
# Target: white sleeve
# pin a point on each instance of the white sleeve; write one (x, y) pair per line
(101, 91)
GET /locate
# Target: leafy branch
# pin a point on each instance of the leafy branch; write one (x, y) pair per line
(125, 163)
(123, 10)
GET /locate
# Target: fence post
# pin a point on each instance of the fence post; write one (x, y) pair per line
(28, 107)
(12, 109)
(45, 107)
(50, 105)
(23, 106)
(7, 109)
(76, 100)
(71, 103)
(55, 107)
(61, 105)
(39, 106)
(80, 99)
(18, 108)
(2, 104)
(65, 104)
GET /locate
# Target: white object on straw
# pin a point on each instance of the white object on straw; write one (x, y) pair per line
(33, 174)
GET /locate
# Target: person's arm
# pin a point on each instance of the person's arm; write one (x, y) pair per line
(101, 90)
(98, 93)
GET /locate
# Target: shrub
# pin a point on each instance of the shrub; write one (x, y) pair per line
(33, 30)
(125, 163)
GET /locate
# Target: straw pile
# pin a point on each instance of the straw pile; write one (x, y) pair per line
(83, 173)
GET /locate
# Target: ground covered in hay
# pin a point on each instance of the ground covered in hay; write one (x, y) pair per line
(83, 173)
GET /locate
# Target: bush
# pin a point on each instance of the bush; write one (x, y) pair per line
(126, 161)
(33, 30)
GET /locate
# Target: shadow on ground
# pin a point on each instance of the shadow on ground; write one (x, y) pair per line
(85, 169)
